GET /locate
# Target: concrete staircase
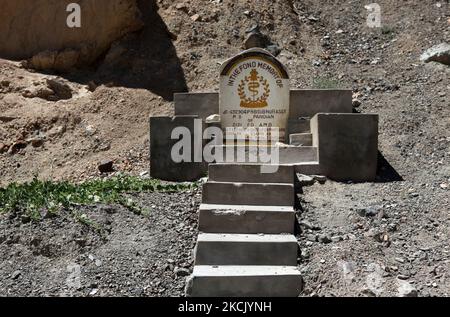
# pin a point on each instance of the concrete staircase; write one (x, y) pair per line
(246, 246)
(299, 132)
(299, 125)
(299, 135)
(300, 139)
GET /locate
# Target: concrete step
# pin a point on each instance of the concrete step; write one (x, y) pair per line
(251, 173)
(284, 154)
(246, 219)
(255, 194)
(244, 281)
(300, 125)
(300, 139)
(246, 249)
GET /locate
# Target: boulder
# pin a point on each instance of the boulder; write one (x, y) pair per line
(106, 166)
(214, 118)
(439, 53)
(405, 289)
(38, 31)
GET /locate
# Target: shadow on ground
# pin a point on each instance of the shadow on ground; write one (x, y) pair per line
(386, 172)
(146, 59)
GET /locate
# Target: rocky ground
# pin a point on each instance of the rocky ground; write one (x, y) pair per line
(376, 239)
(133, 255)
(60, 126)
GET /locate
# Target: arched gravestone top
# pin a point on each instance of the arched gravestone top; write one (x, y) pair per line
(254, 92)
(254, 53)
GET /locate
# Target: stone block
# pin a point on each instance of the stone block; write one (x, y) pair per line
(298, 125)
(161, 164)
(250, 173)
(347, 145)
(246, 249)
(308, 168)
(246, 219)
(300, 139)
(201, 104)
(308, 102)
(255, 194)
(244, 281)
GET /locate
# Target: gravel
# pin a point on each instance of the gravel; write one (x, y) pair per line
(135, 255)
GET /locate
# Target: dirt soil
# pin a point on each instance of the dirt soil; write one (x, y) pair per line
(402, 239)
(134, 255)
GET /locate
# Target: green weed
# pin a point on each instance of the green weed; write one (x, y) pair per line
(326, 83)
(36, 196)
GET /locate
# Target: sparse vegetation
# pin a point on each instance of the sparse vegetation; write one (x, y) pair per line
(325, 82)
(84, 219)
(386, 30)
(38, 197)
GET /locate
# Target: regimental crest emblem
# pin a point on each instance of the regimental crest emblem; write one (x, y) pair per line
(254, 91)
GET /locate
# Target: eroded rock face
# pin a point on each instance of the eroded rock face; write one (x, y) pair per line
(37, 30)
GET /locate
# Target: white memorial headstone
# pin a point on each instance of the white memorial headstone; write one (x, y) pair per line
(254, 93)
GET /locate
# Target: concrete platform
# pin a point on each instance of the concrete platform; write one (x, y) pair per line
(255, 194)
(300, 139)
(250, 173)
(244, 281)
(246, 219)
(258, 154)
(303, 102)
(246, 249)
